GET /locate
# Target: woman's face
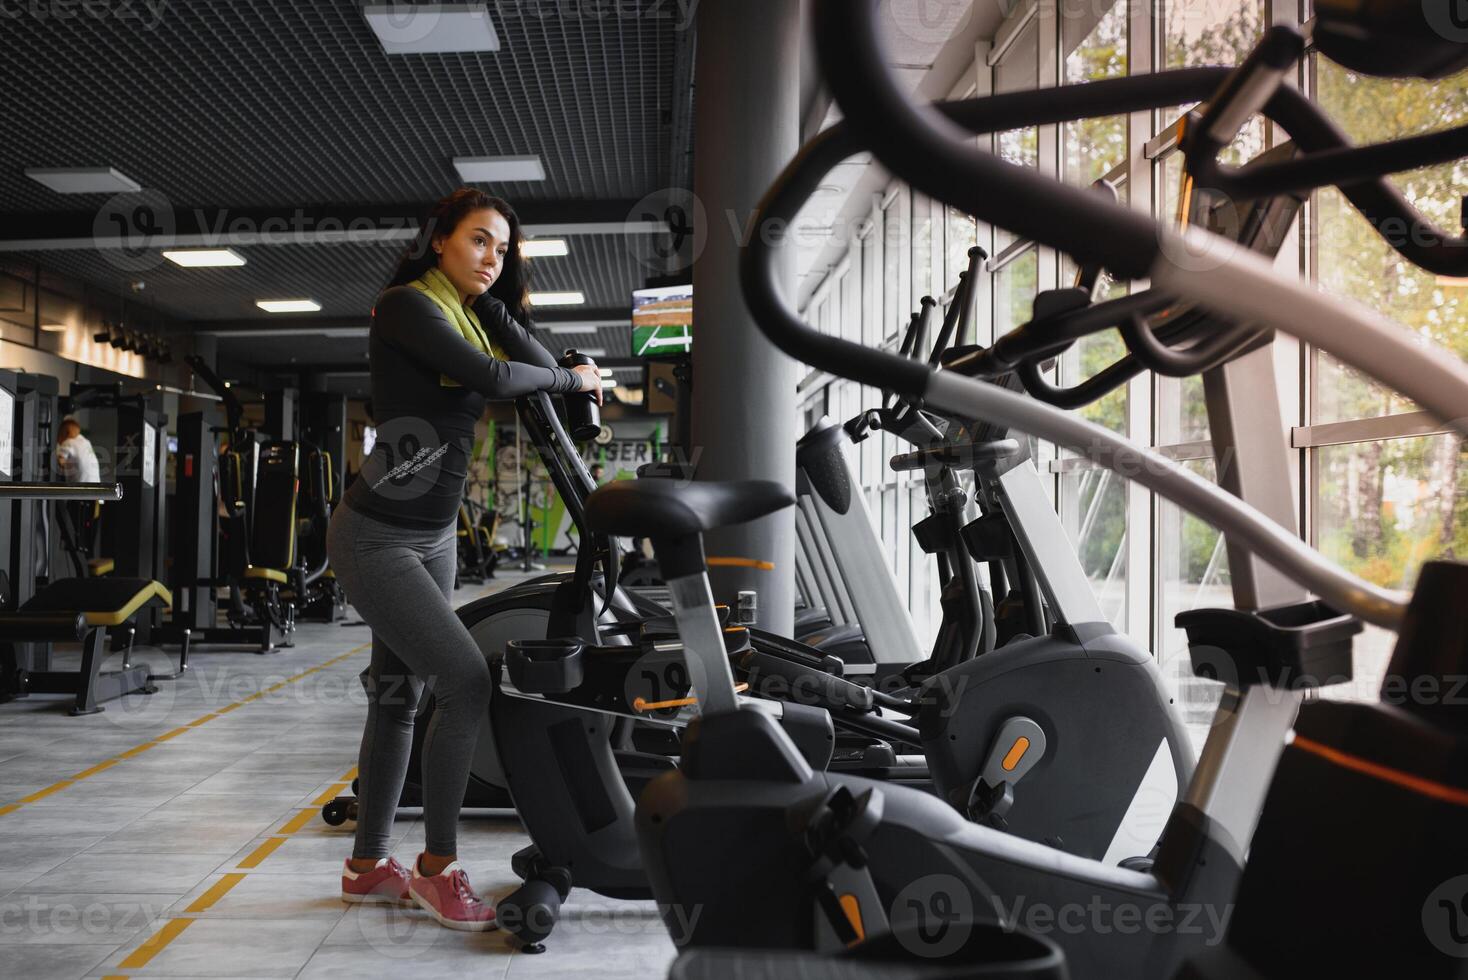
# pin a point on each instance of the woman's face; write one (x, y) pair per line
(474, 255)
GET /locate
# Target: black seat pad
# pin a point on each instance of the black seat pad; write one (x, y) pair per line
(87, 595)
(661, 507)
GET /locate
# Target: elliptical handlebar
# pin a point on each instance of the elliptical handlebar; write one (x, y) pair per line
(1255, 86)
(928, 148)
(960, 312)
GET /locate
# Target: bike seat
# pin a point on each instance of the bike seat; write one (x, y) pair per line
(662, 508)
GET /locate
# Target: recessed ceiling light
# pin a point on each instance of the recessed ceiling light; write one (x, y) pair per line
(432, 28)
(289, 305)
(491, 170)
(83, 180)
(557, 299)
(54, 327)
(539, 248)
(204, 258)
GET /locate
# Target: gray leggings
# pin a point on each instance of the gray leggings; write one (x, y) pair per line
(399, 580)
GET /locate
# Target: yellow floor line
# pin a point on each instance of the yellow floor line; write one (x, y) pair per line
(140, 749)
(214, 894)
(298, 821)
(139, 957)
(41, 794)
(262, 852)
(336, 790)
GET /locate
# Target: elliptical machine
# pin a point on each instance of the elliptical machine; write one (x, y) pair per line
(854, 857)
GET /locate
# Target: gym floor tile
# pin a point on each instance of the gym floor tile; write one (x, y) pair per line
(12, 789)
(38, 819)
(11, 881)
(15, 742)
(50, 962)
(37, 855)
(194, 805)
(124, 788)
(300, 854)
(273, 756)
(28, 769)
(234, 948)
(29, 917)
(175, 758)
(604, 947)
(174, 836)
(250, 783)
(387, 928)
(133, 872)
(482, 956)
(269, 896)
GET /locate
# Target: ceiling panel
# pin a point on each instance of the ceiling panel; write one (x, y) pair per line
(284, 103)
(287, 104)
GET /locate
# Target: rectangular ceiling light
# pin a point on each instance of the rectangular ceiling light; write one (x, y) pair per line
(557, 299)
(539, 248)
(204, 258)
(54, 327)
(83, 180)
(592, 351)
(432, 28)
(289, 305)
(497, 170)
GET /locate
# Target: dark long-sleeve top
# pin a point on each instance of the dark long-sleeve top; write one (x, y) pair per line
(415, 474)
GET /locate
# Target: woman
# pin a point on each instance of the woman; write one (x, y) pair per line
(443, 341)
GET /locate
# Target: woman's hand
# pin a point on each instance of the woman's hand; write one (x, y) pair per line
(590, 376)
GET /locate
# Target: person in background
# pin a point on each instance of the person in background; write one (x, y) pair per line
(598, 474)
(76, 460)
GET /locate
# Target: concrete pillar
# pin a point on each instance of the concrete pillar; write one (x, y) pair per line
(746, 128)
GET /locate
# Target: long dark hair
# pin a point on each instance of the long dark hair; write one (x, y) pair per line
(513, 285)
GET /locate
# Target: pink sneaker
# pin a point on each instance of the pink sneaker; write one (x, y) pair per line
(386, 884)
(448, 898)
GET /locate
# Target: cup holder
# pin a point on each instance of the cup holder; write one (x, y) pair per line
(545, 666)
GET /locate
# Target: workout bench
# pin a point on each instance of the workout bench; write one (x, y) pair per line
(86, 610)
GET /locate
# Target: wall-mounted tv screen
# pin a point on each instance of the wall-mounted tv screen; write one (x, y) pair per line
(662, 321)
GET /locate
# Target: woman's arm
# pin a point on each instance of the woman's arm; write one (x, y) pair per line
(506, 331)
(413, 325)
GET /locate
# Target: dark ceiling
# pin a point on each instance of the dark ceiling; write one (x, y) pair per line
(228, 105)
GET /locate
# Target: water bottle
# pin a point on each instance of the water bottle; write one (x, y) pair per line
(582, 412)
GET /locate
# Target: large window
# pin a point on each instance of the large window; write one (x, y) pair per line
(1384, 506)
(1094, 40)
(1215, 32)
(1381, 487)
